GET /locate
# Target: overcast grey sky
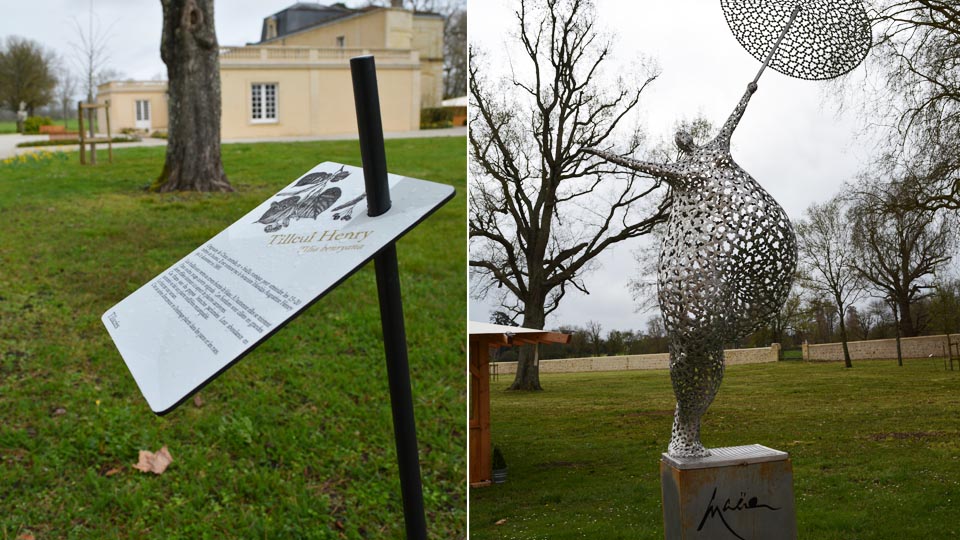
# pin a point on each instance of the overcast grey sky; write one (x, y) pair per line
(792, 140)
(135, 26)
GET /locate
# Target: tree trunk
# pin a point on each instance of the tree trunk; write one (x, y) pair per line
(906, 320)
(897, 326)
(843, 339)
(528, 365)
(189, 49)
(93, 132)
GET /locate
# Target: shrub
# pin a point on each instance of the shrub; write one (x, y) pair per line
(436, 117)
(32, 124)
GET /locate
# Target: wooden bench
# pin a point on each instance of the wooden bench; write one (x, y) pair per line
(58, 133)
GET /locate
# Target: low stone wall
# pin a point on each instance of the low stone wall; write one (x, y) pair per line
(877, 349)
(640, 361)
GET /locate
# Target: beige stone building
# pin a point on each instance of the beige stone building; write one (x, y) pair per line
(296, 80)
(140, 105)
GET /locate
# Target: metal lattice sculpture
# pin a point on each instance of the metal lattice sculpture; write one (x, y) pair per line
(725, 267)
(729, 253)
(813, 39)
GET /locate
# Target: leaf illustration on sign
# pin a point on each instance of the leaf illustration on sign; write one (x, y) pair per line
(314, 178)
(345, 211)
(308, 202)
(279, 213)
(315, 204)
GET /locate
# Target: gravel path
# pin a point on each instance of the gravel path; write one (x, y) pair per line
(8, 143)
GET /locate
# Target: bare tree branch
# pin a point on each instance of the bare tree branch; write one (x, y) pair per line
(900, 247)
(542, 208)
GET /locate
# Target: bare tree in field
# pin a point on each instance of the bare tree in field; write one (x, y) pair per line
(821, 316)
(829, 261)
(454, 13)
(899, 247)
(916, 51)
(455, 53)
(788, 318)
(66, 91)
(874, 319)
(91, 54)
(945, 307)
(189, 48)
(542, 209)
(595, 334)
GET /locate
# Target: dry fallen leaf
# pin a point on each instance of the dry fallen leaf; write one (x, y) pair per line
(59, 411)
(197, 401)
(25, 536)
(501, 521)
(114, 471)
(155, 463)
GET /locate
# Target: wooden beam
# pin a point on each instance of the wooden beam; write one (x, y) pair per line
(526, 338)
(106, 114)
(83, 153)
(491, 339)
(480, 451)
(545, 337)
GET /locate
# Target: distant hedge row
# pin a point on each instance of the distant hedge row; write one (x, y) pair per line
(436, 117)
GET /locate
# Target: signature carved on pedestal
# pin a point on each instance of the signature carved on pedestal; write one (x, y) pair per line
(742, 504)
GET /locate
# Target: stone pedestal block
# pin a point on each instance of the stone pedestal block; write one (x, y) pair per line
(743, 492)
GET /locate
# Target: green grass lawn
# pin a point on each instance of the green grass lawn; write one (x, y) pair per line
(10, 126)
(295, 441)
(875, 449)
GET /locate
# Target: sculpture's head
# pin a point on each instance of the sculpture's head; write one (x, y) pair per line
(685, 142)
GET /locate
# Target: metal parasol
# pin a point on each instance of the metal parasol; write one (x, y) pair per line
(807, 39)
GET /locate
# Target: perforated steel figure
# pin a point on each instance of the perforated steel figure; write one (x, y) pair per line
(729, 253)
(726, 265)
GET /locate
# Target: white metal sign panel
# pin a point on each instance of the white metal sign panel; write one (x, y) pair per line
(198, 317)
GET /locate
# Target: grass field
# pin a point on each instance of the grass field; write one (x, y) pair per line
(875, 449)
(295, 441)
(10, 126)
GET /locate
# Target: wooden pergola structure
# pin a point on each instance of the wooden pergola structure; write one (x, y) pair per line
(483, 336)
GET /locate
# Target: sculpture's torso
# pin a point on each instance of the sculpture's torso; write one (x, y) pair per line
(729, 254)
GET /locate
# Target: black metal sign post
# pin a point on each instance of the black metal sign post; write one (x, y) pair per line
(367, 100)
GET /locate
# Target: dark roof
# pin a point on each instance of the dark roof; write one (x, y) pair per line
(301, 15)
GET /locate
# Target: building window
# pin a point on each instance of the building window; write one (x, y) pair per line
(271, 28)
(143, 110)
(341, 41)
(263, 102)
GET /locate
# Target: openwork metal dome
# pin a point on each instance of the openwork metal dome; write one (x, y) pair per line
(828, 38)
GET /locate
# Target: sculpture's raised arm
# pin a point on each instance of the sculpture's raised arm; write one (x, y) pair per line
(731, 124)
(666, 171)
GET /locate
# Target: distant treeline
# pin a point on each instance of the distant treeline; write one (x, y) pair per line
(810, 319)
